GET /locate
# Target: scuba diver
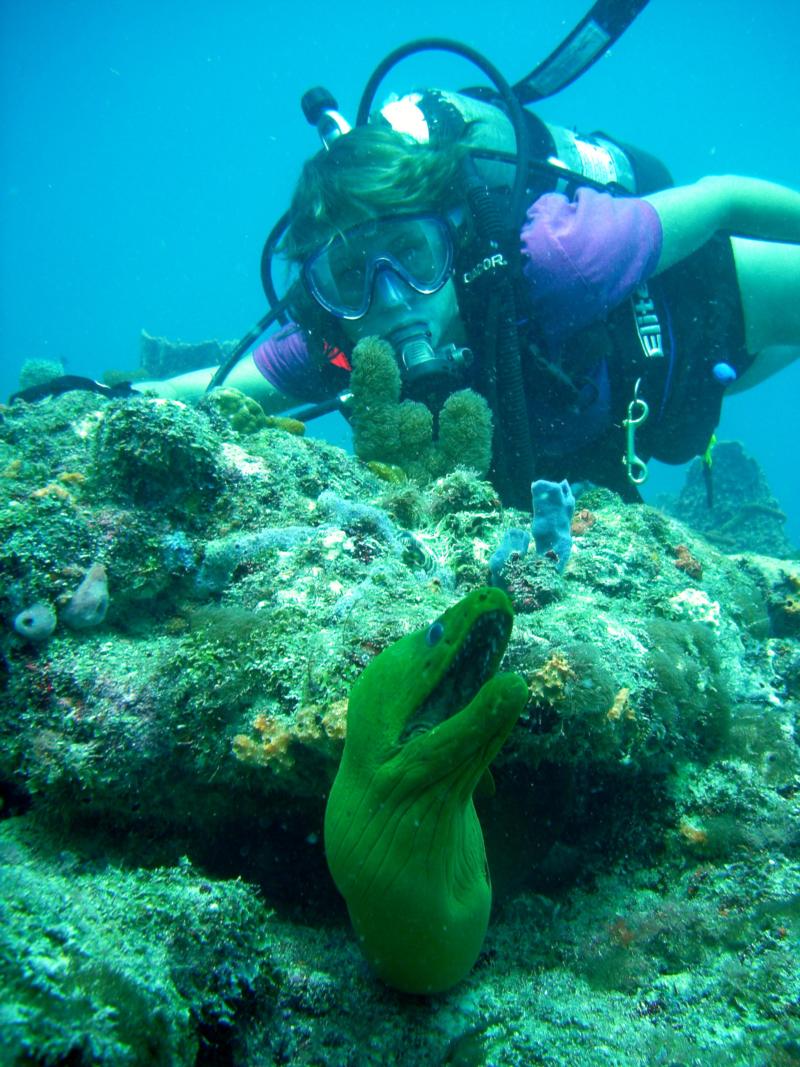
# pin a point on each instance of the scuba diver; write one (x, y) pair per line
(619, 305)
(601, 312)
(378, 223)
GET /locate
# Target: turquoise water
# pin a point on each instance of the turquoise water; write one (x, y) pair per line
(147, 149)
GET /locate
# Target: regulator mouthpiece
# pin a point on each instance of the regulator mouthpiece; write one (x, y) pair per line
(428, 373)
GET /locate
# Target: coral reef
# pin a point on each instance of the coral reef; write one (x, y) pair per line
(163, 776)
(161, 358)
(39, 371)
(744, 515)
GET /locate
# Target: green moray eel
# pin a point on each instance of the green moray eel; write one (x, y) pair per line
(402, 838)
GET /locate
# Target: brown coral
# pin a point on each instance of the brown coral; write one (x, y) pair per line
(582, 521)
(52, 491)
(694, 835)
(686, 562)
(275, 738)
(271, 745)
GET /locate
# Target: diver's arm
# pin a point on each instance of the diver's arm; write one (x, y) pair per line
(746, 207)
(245, 377)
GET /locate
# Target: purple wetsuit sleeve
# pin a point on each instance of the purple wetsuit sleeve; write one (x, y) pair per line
(584, 257)
(285, 361)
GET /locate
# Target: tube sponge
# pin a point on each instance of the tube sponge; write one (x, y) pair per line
(36, 623)
(375, 385)
(553, 508)
(88, 605)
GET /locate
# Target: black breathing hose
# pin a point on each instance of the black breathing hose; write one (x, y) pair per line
(501, 369)
(250, 338)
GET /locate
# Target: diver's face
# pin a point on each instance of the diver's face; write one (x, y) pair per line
(390, 277)
(397, 311)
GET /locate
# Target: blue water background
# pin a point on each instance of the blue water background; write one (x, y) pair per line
(148, 147)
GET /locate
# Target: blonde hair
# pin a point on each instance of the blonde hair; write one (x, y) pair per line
(369, 172)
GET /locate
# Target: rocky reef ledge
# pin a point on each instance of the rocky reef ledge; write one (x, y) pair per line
(188, 596)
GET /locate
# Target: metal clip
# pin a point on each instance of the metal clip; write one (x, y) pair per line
(638, 411)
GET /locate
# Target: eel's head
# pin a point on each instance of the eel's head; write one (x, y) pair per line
(431, 706)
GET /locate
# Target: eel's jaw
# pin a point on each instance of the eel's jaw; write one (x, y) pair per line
(473, 664)
(461, 725)
(460, 749)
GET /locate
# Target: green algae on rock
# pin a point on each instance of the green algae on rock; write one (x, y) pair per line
(156, 453)
(105, 965)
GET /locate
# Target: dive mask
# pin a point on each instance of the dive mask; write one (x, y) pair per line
(417, 248)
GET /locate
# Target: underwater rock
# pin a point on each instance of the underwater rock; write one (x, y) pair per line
(88, 605)
(36, 623)
(744, 515)
(157, 453)
(161, 358)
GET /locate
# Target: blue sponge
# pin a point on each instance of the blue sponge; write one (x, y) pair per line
(553, 508)
(514, 540)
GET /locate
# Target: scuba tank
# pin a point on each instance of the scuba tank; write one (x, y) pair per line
(559, 159)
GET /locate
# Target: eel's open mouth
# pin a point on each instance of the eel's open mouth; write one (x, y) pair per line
(473, 665)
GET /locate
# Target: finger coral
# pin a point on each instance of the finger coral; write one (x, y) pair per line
(389, 430)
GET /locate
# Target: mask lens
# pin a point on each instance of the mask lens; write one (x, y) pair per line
(341, 275)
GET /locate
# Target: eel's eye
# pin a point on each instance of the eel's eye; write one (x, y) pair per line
(435, 633)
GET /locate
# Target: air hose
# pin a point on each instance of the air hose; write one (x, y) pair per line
(501, 375)
(500, 368)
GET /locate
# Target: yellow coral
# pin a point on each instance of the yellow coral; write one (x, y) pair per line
(549, 682)
(242, 413)
(387, 472)
(12, 469)
(51, 491)
(271, 745)
(283, 422)
(274, 737)
(621, 707)
(695, 835)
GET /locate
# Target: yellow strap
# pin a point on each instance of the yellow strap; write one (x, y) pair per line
(707, 454)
